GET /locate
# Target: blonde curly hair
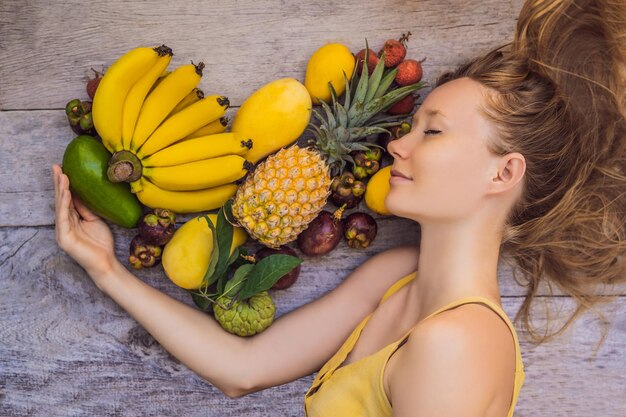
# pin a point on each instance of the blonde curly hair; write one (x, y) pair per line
(557, 95)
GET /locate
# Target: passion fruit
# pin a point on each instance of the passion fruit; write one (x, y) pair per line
(323, 234)
(360, 230)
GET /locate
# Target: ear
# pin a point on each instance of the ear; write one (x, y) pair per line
(509, 170)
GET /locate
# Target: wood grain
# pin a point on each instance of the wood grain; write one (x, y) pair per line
(67, 350)
(50, 46)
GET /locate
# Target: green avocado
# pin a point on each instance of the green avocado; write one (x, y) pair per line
(85, 162)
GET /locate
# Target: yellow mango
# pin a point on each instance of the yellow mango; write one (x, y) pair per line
(273, 116)
(186, 256)
(328, 64)
(377, 190)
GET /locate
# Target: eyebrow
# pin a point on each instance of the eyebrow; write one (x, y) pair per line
(431, 113)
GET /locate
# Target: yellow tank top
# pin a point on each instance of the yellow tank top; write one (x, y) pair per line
(356, 389)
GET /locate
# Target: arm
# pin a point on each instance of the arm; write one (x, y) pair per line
(191, 336)
(300, 342)
(446, 369)
(231, 363)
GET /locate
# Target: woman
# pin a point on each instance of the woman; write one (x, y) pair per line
(520, 152)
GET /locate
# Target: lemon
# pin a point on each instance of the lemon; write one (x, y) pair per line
(377, 189)
(328, 64)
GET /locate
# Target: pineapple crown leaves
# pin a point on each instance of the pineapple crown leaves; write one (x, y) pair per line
(247, 278)
(365, 98)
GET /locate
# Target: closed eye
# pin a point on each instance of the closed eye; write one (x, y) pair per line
(431, 132)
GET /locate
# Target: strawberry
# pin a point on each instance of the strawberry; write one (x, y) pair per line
(404, 106)
(409, 72)
(395, 50)
(371, 62)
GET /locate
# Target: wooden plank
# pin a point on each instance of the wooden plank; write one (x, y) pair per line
(69, 350)
(50, 46)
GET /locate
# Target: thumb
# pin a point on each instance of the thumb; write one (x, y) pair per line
(84, 212)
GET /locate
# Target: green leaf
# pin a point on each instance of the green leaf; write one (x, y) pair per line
(266, 272)
(319, 116)
(361, 88)
(236, 282)
(386, 120)
(224, 242)
(357, 146)
(375, 80)
(354, 81)
(208, 276)
(332, 122)
(233, 256)
(202, 302)
(346, 98)
(381, 104)
(333, 93)
(340, 111)
(371, 130)
(359, 96)
(385, 83)
(398, 94)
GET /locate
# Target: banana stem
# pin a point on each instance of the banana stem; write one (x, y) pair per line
(124, 166)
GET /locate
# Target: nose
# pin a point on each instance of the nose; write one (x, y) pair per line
(398, 148)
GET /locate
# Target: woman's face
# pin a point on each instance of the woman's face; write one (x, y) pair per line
(445, 156)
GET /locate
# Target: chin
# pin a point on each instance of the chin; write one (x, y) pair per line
(396, 207)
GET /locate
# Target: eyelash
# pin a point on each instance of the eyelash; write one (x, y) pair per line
(431, 132)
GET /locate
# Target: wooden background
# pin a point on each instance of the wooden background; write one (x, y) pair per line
(67, 350)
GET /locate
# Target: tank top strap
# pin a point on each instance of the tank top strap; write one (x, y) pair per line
(475, 299)
(519, 365)
(397, 285)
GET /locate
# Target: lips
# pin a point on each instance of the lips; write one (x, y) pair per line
(396, 173)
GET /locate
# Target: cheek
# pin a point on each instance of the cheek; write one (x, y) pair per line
(447, 182)
(453, 170)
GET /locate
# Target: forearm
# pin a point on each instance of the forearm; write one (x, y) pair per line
(190, 335)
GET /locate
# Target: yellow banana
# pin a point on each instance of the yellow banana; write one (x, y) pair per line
(137, 95)
(181, 124)
(117, 81)
(216, 126)
(182, 201)
(204, 147)
(195, 95)
(198, 175)
(158, 81)
(163, 99)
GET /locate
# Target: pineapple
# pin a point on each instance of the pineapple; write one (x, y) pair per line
(286, 192)
(283, 195)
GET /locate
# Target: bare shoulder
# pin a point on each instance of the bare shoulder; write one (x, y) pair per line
(454, 364)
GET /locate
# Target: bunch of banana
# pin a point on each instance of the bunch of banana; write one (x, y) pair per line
(168, 138)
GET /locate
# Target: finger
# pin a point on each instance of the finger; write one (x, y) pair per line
(62, 184)
(63, 216)
(65, 203)
(84, 212)
(71, 211)
(58, 192)
(55, 175)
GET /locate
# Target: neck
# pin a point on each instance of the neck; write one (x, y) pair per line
(456, 260)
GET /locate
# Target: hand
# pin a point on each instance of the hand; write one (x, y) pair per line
(81, 233)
